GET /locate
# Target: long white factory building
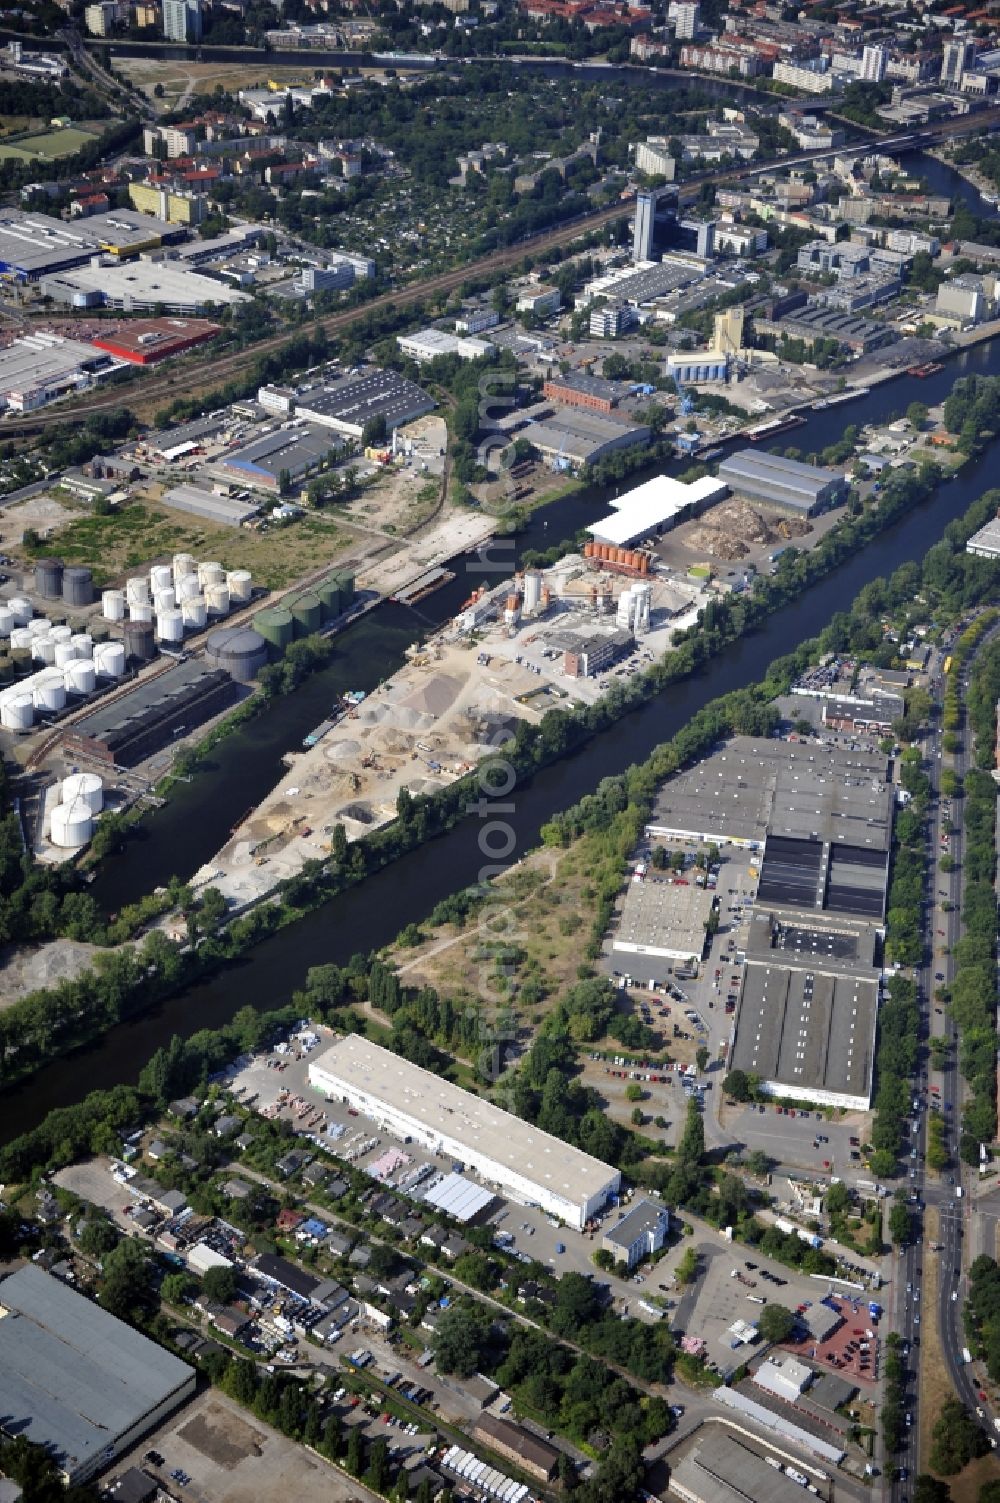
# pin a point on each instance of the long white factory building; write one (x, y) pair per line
(530, 1166)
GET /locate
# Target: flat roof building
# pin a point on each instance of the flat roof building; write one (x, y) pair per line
(528, 1165)
(428, 344)
(202, 503)
(149, 340)
(720, 1467)
(40, 367)
(641, 1232)
(786, 484)
(655, 507)
(663, 918)
(76, 1380)
(140, 286)
(295, 451)
(530, 1452)
(579, 390)
(986, 542)
(347, 405)
(580, 436)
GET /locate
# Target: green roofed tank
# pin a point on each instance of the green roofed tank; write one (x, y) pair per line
(346, 583)
(329, 594)
(276, 627)
(307, 613)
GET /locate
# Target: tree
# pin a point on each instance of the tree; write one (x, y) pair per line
(126, 1289)
(687, 1267)
(701, 1058)
(99, 1236)
(916, 415)
(461, 1339)
(737, 1085)
(776, 1323)
(957, 1439)
(838, 1198)
(175, 1288)
(219, 1285)
(758, 1163)
(928, 1489)
(633, 1091)
(900, 1225)
(355, 1460)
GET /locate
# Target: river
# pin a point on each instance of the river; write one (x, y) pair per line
(193, 825)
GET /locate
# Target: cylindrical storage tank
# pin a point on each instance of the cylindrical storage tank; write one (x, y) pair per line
(164, 600)
(84, 644)
(61, 633)
(276, 627)
(6, 621)
(217, 599)
(17, 712)
(329, 598)
(20, 637)
(78, 586)
(532, 589)
(183, 565)
(43, 650)
(72, 824)
(6, 671)
(87, 786)
(140, 641)
(65, 653)
(161, 577)
(80, 676)
(49, 578)
(210, 573)
(194, 612)
(187, 587)
(307, 613)
(21, 609)
(346, 583)
(140, 611)
(113, 605)
(137, 590)
(48, 691)
(109, 659)
(170, 626)
(100, 632)
(38, 627)
(237, 649)
(239, 584)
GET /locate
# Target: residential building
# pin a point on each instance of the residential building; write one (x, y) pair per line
(957, 57)
(182, 20)
(101, 18)
(873, 64)
(800, 76)
(688, 20)
(541, 301)
(722, 57)
(653, 158)
(641, 1232)
(612, 321)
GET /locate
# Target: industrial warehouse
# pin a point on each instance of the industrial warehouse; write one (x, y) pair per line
(150, 340)
(126, 731)
(77, 1381)
(786, 484)
(654, 507)
(577, 436)
(820, 819)
(528, 1165)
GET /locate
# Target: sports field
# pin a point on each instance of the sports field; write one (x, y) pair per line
(47, 146)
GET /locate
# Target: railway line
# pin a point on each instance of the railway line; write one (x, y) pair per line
(213, 373)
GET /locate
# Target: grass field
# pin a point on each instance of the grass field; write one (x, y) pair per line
(135, 536)
(48, 145)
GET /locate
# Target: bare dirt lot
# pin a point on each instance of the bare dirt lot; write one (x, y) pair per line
(27, 971)
(233, 1458)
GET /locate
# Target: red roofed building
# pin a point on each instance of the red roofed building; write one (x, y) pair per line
(149, 340)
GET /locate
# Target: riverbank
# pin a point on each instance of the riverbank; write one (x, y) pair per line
(968, 171)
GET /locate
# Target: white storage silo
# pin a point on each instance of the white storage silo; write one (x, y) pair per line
(61, 633)
(187, 587)
(239, 582)
(80, 676)
(20, 637)
(43, 650)
(140, 611)
(17, 711)
(40, 626)
(6, 621)
(72, 824)
(210, 574)
(87, 786)
(48, 690)
(532, 590)
(194, 613)
(65, 653)
(217, 599)
(183, 564)
(84, 644)
(21, 609)
(109, 659)
(164, 600)
(170, 626)
(137, 590)
(113, 605)
(161, 578)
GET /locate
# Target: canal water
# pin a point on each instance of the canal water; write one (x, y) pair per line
(186, 833)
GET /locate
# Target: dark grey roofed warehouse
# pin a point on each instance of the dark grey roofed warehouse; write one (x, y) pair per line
(127, 730)
(77, 1380)
(786, 484)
